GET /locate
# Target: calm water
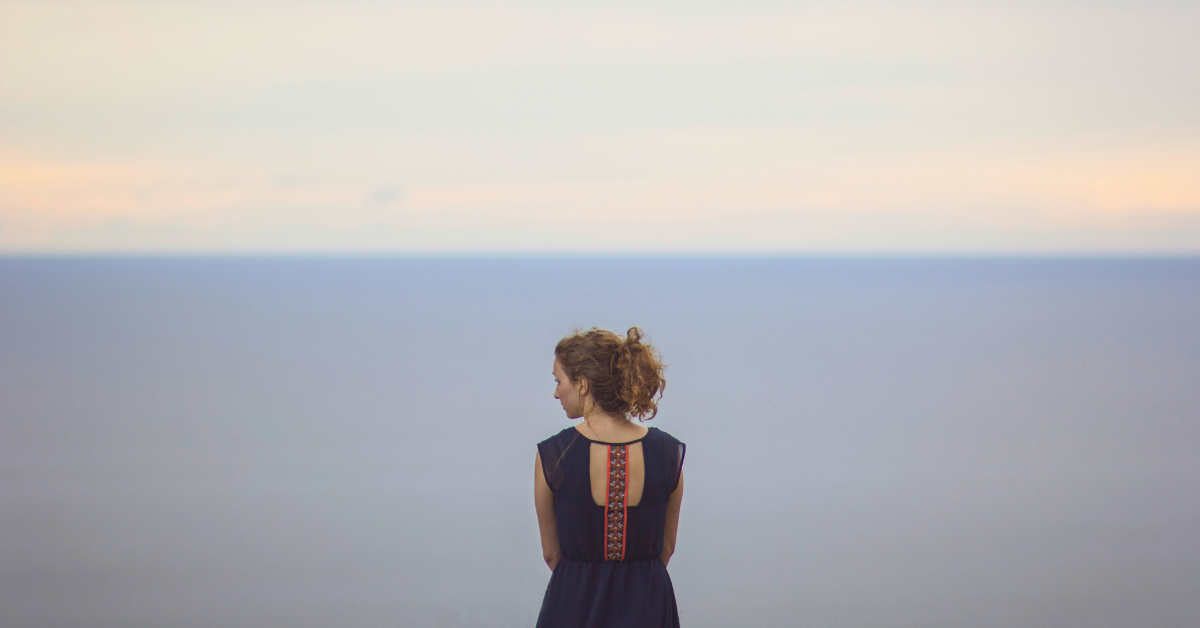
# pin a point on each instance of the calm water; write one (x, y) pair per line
(325, 442)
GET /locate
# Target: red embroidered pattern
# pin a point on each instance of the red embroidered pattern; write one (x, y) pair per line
(616, 508)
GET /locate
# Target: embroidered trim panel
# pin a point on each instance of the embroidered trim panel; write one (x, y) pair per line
(616, 508)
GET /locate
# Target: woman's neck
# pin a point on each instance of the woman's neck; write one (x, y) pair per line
(603, 426)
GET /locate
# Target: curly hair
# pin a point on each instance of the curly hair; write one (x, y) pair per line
(625, 374)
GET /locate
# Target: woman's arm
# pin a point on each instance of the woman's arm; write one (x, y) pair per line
(672, 521)
(543, 498)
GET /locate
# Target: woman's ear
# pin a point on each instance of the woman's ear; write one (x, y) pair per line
(583, 386)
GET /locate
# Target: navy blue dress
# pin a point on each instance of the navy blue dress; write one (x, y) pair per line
(611, 573)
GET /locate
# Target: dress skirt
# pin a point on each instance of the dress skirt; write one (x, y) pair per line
(609, 594)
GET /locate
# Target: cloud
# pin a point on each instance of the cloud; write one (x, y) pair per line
(385, 196)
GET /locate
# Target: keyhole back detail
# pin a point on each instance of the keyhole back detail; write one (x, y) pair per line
(616, 508)
(635, 472)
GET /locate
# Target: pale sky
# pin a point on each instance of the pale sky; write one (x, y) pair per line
(599, 127)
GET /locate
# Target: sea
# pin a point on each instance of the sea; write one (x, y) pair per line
(958, 442)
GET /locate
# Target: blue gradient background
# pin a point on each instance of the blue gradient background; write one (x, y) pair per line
(349, 442)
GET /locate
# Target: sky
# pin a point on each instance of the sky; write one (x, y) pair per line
(589, 127)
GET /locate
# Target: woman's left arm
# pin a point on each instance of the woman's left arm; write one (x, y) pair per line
(543, 498)
(672, 525)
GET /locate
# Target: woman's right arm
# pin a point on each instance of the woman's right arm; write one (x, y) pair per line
(543, 498)
(672, 522)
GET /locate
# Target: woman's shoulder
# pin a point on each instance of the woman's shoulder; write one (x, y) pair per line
(560, 438)
(662, 436)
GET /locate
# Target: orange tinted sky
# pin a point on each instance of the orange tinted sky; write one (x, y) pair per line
(640, 127)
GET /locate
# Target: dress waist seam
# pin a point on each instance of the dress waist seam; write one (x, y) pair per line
(602, 561)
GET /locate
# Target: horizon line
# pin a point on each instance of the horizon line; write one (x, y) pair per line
(609, 255)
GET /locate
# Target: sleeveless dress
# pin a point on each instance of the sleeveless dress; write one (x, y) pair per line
(611, 574)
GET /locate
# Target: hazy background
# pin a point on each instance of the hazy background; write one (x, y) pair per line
(280, 281)
(350, 442)
(651, 126)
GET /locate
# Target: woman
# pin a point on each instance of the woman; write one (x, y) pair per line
(608, 489)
